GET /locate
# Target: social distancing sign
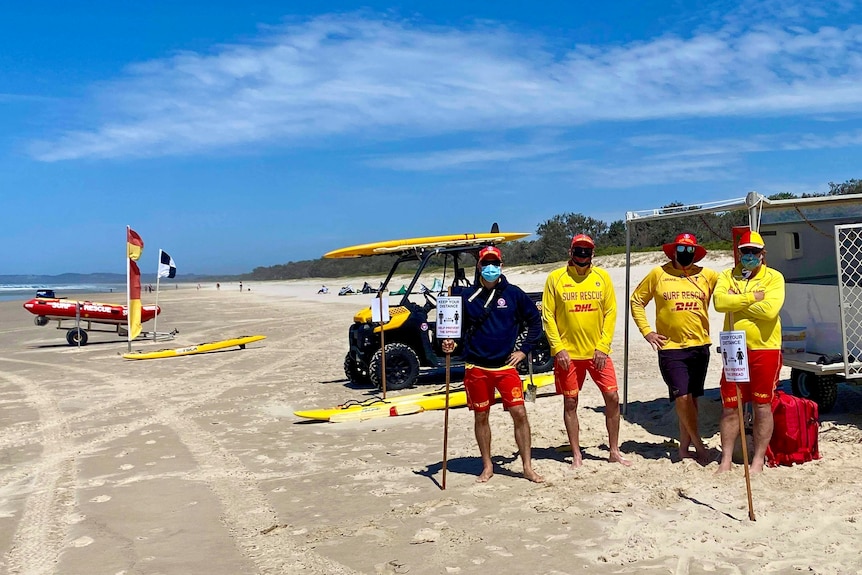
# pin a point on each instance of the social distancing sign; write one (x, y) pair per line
(449, 317)
(734, 356)
(380, 310)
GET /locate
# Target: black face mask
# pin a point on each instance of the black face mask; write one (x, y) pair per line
(684, 259)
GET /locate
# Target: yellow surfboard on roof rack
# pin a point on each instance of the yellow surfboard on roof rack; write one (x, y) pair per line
(428, 242)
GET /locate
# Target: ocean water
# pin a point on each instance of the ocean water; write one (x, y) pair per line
(115, 293)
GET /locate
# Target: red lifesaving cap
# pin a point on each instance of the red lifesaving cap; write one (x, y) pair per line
(583, 240)
(489, 253)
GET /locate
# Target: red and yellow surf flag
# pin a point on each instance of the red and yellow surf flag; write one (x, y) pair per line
(135, 244)
(134, 247)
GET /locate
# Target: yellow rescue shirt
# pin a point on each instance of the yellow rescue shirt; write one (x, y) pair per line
(734, 295)
(681, 304)
(579, 311)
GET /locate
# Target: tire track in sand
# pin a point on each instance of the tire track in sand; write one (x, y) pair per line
(247, 512)
(41, 532)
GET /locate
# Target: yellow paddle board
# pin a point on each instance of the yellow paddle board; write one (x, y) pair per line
(240, 342)
(403, 404)
(409, 244)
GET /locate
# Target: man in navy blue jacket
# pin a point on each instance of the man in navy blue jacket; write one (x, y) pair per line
(495, 312)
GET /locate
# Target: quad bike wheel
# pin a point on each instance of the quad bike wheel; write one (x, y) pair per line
(354, 371)
(402, 367)
(543, 361)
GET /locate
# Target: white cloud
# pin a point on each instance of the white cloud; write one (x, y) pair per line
(357, 77)
(464, 157)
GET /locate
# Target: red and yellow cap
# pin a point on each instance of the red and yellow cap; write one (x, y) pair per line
(583, 240)
(751, 240)
(490, 253)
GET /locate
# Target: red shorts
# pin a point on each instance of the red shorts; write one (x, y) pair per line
(571, 383)
(764, 366)
(480, 384)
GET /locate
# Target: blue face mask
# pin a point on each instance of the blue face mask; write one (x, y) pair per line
(750, 261)
(491, 273)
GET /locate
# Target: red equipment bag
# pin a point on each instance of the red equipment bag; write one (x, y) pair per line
(794, 438)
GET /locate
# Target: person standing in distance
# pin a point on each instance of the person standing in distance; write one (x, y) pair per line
(681, 291)
(494, 311)
(579, 309)
(751, 295)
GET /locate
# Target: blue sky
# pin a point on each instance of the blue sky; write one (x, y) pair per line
(243, 134)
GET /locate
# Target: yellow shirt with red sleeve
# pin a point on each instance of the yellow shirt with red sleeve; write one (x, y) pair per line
(579, 311)
(734, 295)
(681, 304)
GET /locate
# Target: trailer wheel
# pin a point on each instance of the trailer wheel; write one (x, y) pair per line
(822, 389)
(40, 320)
(402, 367)
(76, 336)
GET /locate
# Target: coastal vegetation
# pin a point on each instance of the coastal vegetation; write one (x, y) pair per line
(713, 230)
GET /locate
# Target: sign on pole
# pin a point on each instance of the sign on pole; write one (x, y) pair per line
(380, 309)
(734, 356)
(449, 316)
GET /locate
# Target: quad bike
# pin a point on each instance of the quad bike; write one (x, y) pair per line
(412, 347)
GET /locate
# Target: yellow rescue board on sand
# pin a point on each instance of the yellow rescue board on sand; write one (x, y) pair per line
(241, 342)
(409, 244)
(403, 404)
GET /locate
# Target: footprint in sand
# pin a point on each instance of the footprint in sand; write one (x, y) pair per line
(100, 499)
(81, 541)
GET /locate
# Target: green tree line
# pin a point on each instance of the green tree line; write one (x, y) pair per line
(554, 237)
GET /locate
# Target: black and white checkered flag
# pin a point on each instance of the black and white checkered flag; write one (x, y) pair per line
(167, 267)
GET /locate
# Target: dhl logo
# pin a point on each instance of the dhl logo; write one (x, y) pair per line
(687, 305)
(582, 307)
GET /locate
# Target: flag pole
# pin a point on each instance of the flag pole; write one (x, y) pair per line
(128, 293)
(158, 277)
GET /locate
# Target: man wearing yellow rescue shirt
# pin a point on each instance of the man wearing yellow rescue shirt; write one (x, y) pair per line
(681, 291)
(751, 294)
(579, 309)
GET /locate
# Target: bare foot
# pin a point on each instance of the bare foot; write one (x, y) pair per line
(617, 457)
(724, 466)
(756, 468)
(485, 476)
(533, 476)
(577, 460)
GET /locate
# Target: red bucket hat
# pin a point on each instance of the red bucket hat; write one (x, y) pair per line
(684, 240)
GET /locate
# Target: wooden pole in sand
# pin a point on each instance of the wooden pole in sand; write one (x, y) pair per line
(744, 440)
(382, 346)
(446, 409)
(446, 421)
(744, 452)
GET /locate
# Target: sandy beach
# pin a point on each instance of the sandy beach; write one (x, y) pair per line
(197, 465)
